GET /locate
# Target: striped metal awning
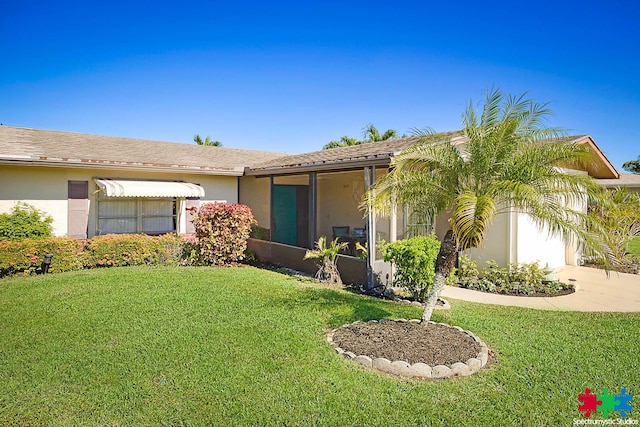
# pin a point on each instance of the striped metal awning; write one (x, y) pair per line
(131, 188)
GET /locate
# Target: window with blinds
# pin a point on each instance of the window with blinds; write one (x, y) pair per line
(136, 215)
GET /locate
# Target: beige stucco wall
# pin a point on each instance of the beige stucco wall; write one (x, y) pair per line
(497, 244)
(256, 193)
(339, 194)
(46, 188)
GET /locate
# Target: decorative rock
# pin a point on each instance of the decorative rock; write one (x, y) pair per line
(458, 328)
(442, 304)
(400, 367)
(348, 354)
(373, 321)
(401, 320)
(381, 364)
(364, 360)
(414, 320)
(420, 370)
(484, 354)
(474, 364)
(416, 303)
(339, 350)
(461, 369)
(441, 371)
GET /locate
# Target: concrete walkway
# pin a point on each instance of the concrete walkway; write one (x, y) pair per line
(595, 292)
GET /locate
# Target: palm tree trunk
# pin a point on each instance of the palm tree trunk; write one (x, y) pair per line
(444, 264)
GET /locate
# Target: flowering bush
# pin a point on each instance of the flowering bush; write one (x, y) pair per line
(222, 230)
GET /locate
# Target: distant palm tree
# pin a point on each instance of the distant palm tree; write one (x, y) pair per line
(207, 141)
(371, 134)
(506, 157)
(345, 141)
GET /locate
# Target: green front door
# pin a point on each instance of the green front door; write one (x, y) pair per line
(291, 215)
(285, 227)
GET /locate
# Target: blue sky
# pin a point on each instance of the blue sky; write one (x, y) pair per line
(291, 76)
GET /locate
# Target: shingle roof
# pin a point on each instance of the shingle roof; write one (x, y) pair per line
(352, 156)
(36, 146)
(339, 158)
(625, 180)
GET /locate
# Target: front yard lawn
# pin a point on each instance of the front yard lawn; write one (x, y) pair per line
(240, 346)
(634, 246)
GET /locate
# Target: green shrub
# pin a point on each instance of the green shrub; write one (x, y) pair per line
(524, 278)
(25, 222)
(222, 230)
(414, 260)
(112, 250)
(24, 257)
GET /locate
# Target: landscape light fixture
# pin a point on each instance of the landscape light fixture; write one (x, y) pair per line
(46, 263)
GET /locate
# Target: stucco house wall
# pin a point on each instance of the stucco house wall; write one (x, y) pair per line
(256, 193)
(46, 189)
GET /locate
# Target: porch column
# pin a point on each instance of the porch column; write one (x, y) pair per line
(369, 180)
(313, 208)
(272, 221)
(393, 222)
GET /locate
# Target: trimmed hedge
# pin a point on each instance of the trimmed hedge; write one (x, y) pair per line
(24, 257)
(113, 250)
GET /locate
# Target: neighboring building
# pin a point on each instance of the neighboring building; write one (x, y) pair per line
(94, 185)
(629, 181)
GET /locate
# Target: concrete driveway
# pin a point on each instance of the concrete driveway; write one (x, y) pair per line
(595, 292)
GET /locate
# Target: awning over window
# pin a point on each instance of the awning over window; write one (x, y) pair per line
(126, 188)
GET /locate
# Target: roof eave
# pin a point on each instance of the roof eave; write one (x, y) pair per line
(610, 171)
(93, 164)
(319, 167)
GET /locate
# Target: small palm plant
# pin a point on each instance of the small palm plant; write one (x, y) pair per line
(328, 255)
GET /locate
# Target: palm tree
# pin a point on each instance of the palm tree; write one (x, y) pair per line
(371, 134)
(505, 160)
(345, 141)
(207, 141)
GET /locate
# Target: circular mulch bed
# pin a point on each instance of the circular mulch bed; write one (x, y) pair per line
(411, 348)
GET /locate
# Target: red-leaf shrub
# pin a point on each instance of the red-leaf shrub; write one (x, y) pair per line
(222, 230)
(24, 257)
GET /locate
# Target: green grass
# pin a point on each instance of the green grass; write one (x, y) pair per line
(634, 246)
(242, 346)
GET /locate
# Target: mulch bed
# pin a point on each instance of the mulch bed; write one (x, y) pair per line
(432, 344)
(560, 293)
